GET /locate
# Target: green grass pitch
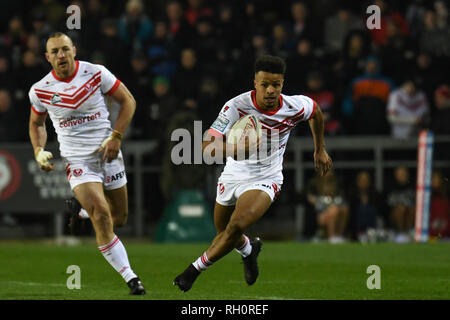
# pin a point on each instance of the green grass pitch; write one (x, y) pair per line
(288, 270)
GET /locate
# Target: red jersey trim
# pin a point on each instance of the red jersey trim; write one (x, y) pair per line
(37, 112)
(314, 110)
(114, 88)
(69, 78)
(269, 112)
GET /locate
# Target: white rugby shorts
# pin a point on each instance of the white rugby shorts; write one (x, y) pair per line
(112, 175)
(229, 192)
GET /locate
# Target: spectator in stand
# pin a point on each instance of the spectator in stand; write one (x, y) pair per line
(365, 104)
(365, 206)
(440, 123)
(109, 42)
(30, 71)
(440, 120)
(135, 27)
(281, 43)
(302, 25)
(396, 52)
(229, 28)
(324, 97)
(138, 77)
(433, 39)
(401, 202)
(414, 14)
(440, 207)
(33, 45)
(162, 52)
(196, 9)
(337, 28)
(204, 41)
(187, 78)
(93, 16)
(7, 79)
(184, 176)
(326, 196)
(257, 45)
(11, 119)
(408, 110)
(179, 30)
(350, 63)
(152, 118)
(210, 96)
(55, 12)
(380, 36)
(40, 27)
(14, 40)
(252, 22)
(428, 71)
(302, 62)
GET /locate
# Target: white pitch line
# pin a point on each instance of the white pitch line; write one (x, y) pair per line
(34, 283)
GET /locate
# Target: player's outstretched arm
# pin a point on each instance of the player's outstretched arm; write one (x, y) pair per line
(38, 137)
(111, 146)
(322, 160)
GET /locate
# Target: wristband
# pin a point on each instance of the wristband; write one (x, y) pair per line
(117, 135)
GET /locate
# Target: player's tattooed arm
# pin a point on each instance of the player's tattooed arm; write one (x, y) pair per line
(322, 160)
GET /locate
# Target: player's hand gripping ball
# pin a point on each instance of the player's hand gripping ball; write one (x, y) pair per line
(246, 134)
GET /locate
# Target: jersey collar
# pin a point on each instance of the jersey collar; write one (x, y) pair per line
(77, 65)
(267, 112)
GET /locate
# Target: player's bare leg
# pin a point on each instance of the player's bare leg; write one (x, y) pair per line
(92, 198)
(222, 215)
(118, 203)
(250, 207)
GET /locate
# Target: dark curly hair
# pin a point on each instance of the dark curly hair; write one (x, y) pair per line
(271, 64)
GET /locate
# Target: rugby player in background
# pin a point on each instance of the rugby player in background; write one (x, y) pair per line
(73, 95)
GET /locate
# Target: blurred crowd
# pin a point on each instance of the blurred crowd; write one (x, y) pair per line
(193, 55)
(182, 59)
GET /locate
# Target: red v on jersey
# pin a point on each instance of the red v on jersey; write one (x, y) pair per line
(74, 100)
(287, 124)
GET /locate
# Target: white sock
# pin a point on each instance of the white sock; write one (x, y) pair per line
(115, 253)
(83, 214)
(246, 248)
(202, 263)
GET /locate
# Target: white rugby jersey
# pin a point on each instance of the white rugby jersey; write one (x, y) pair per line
(276, 127)
(77, 107)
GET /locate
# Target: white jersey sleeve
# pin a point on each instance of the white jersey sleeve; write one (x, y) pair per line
(36, 104)
(109, 83)
(225, 120)
(309, 106)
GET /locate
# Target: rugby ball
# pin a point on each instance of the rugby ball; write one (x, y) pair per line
(245, 126)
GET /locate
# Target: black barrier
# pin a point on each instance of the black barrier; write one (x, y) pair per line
(24, 187)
